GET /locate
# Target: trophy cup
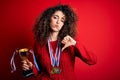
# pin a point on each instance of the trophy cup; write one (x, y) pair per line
(24, 54)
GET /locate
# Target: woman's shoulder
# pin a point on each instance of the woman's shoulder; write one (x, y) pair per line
(37, 46)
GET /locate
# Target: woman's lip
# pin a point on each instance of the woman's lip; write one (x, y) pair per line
(56, 25)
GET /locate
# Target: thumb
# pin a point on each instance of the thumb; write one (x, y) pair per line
(29, 63)
(65, 46)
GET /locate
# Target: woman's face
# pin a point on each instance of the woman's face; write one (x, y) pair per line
(57, 21)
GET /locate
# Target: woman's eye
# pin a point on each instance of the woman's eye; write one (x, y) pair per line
(55, 17)
(62, 20)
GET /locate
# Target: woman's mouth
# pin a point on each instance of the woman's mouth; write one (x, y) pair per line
(56, 25)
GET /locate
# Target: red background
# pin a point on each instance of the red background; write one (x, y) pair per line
(98, 27)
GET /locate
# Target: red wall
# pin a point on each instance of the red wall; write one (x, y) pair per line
(98, 27)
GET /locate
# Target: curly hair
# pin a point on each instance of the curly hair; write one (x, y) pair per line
(42, 30)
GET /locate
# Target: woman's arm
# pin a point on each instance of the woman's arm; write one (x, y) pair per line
(79, 50)
(85, 55)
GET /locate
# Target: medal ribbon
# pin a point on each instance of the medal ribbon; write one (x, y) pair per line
(34, 58)
(12, 63)
(55, 61)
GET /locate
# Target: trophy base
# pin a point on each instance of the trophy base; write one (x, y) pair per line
(27, 73)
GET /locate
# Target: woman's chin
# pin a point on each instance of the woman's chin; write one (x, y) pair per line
(56, 30)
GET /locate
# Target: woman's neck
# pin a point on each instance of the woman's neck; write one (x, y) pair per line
(53, 36)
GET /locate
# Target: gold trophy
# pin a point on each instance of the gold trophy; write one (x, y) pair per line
(24, 55)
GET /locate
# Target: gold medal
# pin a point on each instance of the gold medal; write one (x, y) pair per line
(55, 70)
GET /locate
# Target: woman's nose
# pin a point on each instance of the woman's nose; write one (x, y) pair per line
(58, 21)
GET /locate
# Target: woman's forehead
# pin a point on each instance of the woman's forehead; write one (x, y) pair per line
(59, 13)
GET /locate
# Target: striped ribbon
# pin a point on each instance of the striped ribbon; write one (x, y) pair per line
(55, 61)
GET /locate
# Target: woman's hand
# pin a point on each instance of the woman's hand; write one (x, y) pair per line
(27, 65)
(68, 41)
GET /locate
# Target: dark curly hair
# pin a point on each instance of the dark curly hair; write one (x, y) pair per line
(42, 30)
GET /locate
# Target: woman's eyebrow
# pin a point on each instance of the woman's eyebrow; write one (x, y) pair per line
(55, 15)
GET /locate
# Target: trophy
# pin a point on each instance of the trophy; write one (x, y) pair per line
(24, 54)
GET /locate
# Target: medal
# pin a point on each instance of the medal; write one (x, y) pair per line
(55, 61)
(55, 70)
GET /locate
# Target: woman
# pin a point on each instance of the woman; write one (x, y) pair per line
(55, 46)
